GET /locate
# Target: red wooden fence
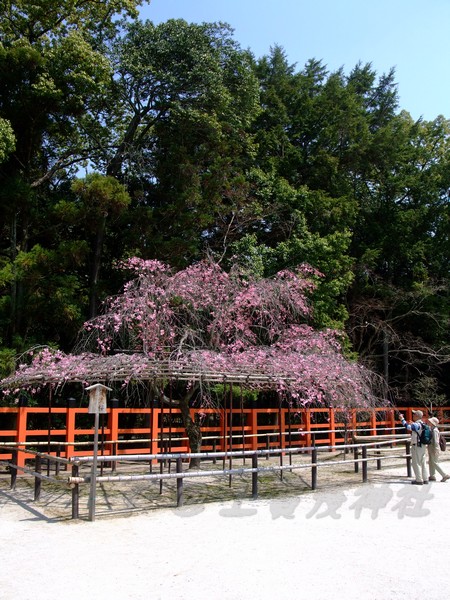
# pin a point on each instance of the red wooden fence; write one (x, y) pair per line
(69, 431)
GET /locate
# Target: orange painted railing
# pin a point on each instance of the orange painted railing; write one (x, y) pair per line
(69, 432)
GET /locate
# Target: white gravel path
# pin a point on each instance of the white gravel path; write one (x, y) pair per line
(387, 541)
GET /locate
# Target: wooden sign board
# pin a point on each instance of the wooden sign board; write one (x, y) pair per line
(97, 398)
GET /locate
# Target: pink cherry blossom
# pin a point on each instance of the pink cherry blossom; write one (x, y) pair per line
(204, 324)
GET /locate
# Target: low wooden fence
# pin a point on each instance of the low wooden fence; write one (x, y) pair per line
(363, 454)
(67, 432)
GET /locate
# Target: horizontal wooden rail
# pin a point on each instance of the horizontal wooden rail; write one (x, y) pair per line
(254, 470)
(226, 454)
(75, 479)
(366, 439)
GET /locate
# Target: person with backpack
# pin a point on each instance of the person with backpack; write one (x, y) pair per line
(434, 451)
(418, 444)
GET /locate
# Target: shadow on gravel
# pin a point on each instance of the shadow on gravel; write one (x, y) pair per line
(35, 515)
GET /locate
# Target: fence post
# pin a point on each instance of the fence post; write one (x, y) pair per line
(253, 433)
(332, 427)
(373, 422)
(70, 427)
(113, 431)
(307, 426)
(281, 429)
(223, 431)
(58, 455)
(114, 452)
(254, 476)
(364, 464)
(21, 433)
(75, 493)
(378, 459)
(355, 458)
(37, 479)
(180, 498)
(281, 465)
(113, 428)
(161, 470)
(314, 469)
(214, 448)
(354, 420)
(13, 468)
(392, 420)
(408, 459)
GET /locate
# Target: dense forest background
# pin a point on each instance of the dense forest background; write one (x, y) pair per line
(120, 138)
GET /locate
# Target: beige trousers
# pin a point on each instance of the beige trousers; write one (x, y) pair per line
(419, 463)
(433, 461)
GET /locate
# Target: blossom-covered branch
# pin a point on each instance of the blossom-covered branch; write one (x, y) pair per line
(205, 325)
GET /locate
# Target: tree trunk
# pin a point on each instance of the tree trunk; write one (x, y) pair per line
(95, 268)
(193, 430)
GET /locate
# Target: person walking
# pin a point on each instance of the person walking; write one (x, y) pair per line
(418, 458)
(434, 452)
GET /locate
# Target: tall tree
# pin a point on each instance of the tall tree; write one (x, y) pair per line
(308, 132)
(53, 76)
(185, 95)
(400, 300)
(101, 197)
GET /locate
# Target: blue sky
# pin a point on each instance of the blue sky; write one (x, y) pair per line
(413, 36)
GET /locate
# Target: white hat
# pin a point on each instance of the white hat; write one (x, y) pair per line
(419, 413)
(434, 421)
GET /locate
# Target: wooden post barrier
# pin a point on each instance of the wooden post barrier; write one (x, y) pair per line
(364, 463)
(13, 468)
(364, 456)
(254, 470)
(58, 454)
(314, 469)
(401, 439)
(75, 493)
(180, 498)
(281, 464)
(394, 438)
(254, 476)
(114, 451)
(37, 479)
(408, 458)
(377, 451)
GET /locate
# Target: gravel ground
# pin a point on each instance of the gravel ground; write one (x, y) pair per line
(126, 498)
(345, 540)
